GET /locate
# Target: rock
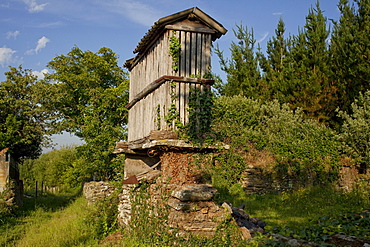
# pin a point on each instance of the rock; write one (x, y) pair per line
(197, 192)
(245, 233)
(178, 205)
(239, 213)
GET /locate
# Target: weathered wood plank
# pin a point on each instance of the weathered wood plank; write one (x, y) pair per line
(199, 52)
(188, 54)
(162, 135)
(193, 55)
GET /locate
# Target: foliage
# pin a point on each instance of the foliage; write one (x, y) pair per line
(351, 223)
(200, 115)
(175, 51)
(102, 217)
(242, 69)
(317, 70)
(355, 131)
(89, 92)
(172, 117)
(23, 121)
(304, 149)
(53, 169)
(350, 51)
(275, 66)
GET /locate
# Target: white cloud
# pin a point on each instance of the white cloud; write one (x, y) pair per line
(6, 56)
(134, 10)
(277, 13)
(263, 37)
(41, 43)
(13, 35)
(40, 74)
(33, 6)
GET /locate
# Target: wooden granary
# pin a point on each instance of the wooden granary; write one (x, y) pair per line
(172, 59)
(153, 70)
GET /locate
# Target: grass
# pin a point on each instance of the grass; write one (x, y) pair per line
(51, 220)
(65, 220)
(298, 208)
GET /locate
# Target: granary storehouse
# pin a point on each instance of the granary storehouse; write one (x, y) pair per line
(173, 57)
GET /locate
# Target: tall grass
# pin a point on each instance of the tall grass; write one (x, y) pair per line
(64, 227)
(49, 221)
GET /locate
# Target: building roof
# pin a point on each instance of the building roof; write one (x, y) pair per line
(160, 25)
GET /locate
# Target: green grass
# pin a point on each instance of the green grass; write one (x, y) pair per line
(298, 208)
(51, 220)
(67, 220)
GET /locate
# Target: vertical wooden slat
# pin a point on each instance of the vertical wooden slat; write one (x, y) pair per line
(193, 54)
(207, 51)
(199, 52)
(188, 54)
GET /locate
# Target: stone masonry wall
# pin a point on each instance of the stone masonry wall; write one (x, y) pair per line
(94, 191)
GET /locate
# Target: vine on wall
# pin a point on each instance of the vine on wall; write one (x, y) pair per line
(175, 51)
(200, 115)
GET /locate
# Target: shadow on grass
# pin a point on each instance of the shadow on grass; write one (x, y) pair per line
(47, 202)
(295, 209)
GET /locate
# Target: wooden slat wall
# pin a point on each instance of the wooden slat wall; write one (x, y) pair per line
(194, 61)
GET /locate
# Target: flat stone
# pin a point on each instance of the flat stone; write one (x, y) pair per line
(178, 205)
(199, 192)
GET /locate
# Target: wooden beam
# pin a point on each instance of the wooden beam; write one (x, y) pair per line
(157, 83)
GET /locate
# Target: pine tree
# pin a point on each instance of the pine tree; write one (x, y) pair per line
(350, 51)
(276, 65)
(313, 91)
(242, 69)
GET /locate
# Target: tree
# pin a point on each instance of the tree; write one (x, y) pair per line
(313, 91)
(276, 66)
(89, 92)
(350, 51)
(23, 120)
(242, 69)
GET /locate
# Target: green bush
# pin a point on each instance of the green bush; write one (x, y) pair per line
(304, 149)
(355, 131)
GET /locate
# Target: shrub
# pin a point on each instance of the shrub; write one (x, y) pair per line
(355, 131)
(304, 149)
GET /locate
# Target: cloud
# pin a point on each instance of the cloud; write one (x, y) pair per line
(6, 56)
(41, 44)
(277, 13)
(33, 6)
(263, 37)
(13, 35)
(136, 11)
(40, 74)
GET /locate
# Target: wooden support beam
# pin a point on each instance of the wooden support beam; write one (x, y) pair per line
(157, 83)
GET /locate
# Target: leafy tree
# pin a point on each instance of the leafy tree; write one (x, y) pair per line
(242, 69)
(89, 92)
(23, 121)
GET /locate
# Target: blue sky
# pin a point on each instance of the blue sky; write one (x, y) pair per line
(33, 32)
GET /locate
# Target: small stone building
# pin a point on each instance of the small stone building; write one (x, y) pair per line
(172, 61)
